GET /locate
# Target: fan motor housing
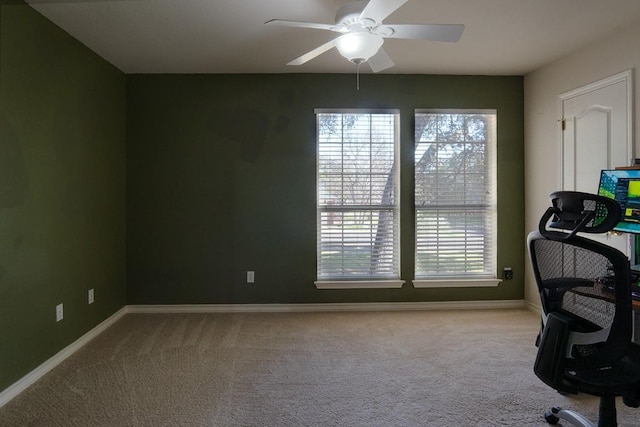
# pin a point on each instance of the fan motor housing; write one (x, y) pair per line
(349, 14)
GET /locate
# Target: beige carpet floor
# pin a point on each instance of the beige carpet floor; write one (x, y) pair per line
(434, 368)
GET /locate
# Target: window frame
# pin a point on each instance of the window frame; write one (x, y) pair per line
(344, 282)
(451, 279)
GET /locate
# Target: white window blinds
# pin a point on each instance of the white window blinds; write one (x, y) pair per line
(455, 194)
(357, 209)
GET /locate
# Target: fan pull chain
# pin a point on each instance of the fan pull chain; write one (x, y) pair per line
(358, 77)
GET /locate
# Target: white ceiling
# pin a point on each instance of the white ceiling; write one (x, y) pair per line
(502, 37)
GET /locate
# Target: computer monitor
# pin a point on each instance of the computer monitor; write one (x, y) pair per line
(623, 185)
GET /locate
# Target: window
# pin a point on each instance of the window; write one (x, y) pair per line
(455, 198)
(357, 209)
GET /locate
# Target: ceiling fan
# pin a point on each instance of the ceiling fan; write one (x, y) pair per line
(363, 32)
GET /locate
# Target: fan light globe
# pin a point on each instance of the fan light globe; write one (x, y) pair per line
(358, 47)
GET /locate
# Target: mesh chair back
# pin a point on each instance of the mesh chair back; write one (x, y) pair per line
(588, 282)
(571, 280)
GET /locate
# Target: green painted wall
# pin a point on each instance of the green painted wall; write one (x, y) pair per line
(62, 189)
(221, 179)
(217, 176)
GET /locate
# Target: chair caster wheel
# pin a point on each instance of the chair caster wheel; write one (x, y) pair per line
(550, 416)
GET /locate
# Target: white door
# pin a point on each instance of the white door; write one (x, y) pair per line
(596, 135)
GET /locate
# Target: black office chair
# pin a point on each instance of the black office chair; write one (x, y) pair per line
(584, 345)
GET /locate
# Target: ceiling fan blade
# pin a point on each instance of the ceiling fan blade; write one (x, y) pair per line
(312, 54)
(378, 10)
(380, 61)
(435, 32)
(285, 23)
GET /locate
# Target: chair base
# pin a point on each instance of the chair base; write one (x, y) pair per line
(607, 415)
(554, 415)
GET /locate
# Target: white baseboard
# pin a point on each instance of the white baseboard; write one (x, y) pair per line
(33, 376)
(536, 308)
(19, 386)
(326, 307)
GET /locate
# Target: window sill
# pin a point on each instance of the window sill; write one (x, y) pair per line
(359, 284)
(456, 283)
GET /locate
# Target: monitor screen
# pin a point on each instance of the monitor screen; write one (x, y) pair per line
(623, 185)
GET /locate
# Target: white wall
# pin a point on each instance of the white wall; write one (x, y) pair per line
(609, 56)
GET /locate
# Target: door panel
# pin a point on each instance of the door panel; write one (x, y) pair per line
(597, 135)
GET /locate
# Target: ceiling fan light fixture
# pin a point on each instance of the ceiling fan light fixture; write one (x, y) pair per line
(359, 46)
(361, 23)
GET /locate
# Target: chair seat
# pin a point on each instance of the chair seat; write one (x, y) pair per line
(618, 379)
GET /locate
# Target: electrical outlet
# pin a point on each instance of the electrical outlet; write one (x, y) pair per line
(59, 312)
(251, 276)
(91, 296)
(508, 273)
